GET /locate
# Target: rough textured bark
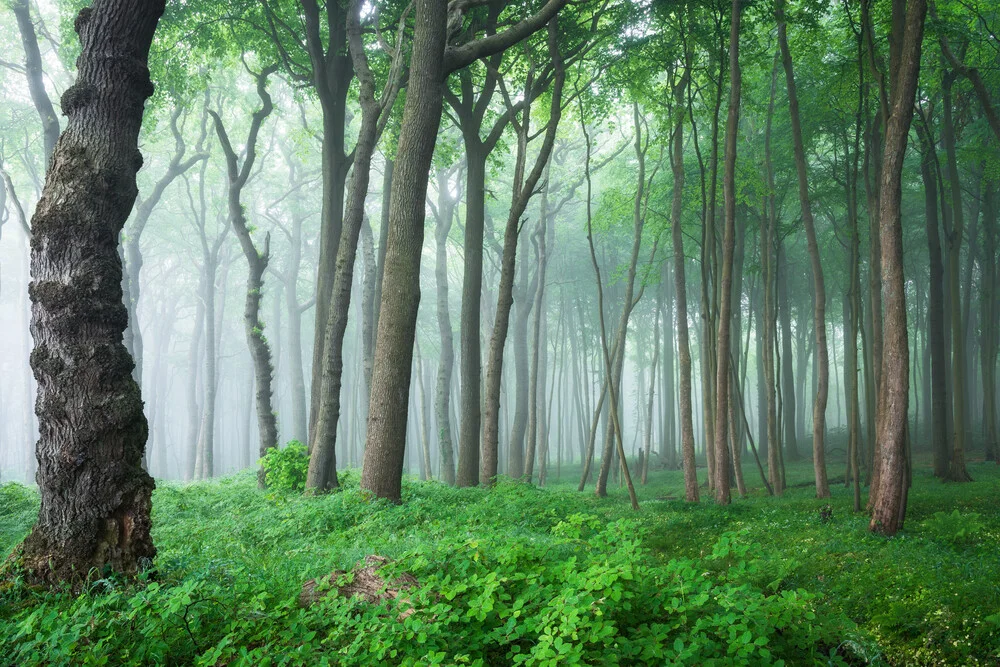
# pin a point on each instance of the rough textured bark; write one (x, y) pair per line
(819, 293)
(257, 260)
(95, 495)
(890, 503)
(430, 62)
(386, 440)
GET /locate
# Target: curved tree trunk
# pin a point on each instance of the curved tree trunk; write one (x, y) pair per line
(257, 260)
(95, 495)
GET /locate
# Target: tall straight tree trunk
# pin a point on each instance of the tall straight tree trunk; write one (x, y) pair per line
(517, 464)
(387, 414)
(819, 294)
(770, 316)
(446, 360)
(429, 63)
(536, 404)
(890, 503)
(95, 495)
(322, 473)
(956, 468)
(722, 378)
(523, 189)
(790, 439)
(935, 308)
(988, 296)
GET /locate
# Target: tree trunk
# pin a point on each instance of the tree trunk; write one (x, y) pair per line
(387, 415)
(819, 294)
(257, 260)
(935, 309)
(722, 343)
(956, 468)
(890, 503)
(95, 496)
(446, 360)
(322, 473)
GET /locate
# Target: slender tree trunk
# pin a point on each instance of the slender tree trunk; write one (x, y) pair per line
(890, 503)
(446, 360)
(935, 309)
(322, 474)
(956, 470)
(257, 260)
(819, 294)
(722, 343)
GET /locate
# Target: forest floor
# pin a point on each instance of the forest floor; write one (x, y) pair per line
(520, 575)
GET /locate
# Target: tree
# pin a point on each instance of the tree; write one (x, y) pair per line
(257, 259)
(95, 496)
(431, 60)
(819, 297)
(889, 507)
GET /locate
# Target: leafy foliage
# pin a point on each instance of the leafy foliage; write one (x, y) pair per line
(285, 469)
(521, 576)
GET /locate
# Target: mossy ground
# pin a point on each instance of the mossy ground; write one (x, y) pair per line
(517, 570)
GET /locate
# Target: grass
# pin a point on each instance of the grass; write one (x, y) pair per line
(522, 575)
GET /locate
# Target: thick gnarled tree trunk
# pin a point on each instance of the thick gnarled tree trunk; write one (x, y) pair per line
(95, 495)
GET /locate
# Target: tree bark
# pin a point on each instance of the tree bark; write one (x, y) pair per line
(257, 260)
(95, 495)
(935, 308)
(446, 360)
(956, 468)
(819, 294)
(722, 379)
(890, 503)
(322, 473)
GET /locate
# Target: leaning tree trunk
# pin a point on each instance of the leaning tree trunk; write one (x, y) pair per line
(893, 391)
(95, 495)
(819, 296)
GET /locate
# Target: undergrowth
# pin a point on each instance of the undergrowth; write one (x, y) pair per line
(520, 575)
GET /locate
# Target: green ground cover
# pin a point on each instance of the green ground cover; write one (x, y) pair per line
(537, 577)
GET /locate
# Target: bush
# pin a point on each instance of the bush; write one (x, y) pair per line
(285, 469)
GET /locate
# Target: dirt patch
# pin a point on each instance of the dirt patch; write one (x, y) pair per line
(366, 582)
